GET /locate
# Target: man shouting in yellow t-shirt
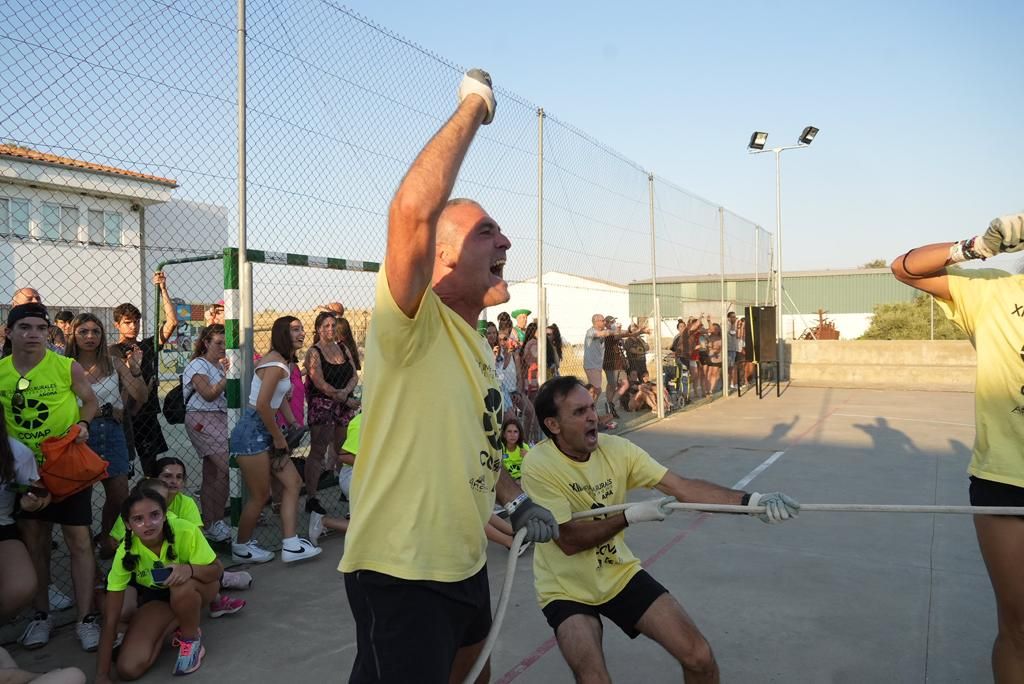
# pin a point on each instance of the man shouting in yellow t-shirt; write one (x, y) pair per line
(590, 572)
(429, 463)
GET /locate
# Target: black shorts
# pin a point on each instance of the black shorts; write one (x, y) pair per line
(148, 440)
(990, 493)
(625, 609)
(410, 630)
(74, 510)
(147, 594)
(9, 533)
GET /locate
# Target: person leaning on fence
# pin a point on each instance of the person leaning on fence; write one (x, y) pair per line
(169, 603)
(987, 305)
(330, 379)
(206, 422)
(110, 377)
(425, 580)
(40, 392)
(589, 572)
(146, 435)
(262, 452)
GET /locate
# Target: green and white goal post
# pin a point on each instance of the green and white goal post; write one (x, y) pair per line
(233, 334)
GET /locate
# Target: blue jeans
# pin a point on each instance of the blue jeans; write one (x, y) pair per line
(106, 438)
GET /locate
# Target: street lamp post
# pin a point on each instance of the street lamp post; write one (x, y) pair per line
(757, 146)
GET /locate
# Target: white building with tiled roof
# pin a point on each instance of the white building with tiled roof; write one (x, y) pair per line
(73, 229)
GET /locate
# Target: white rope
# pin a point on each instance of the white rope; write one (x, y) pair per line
(513, 553)
(834, 508)
(499, 614)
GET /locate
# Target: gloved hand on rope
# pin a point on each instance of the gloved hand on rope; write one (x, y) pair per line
(478, 82)
(539, 522)
(653, 510)
(778, 506)
(1004, 234)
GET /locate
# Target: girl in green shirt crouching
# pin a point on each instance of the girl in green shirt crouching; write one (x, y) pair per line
(174, 571)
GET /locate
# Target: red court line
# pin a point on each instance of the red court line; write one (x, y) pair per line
(539, 652)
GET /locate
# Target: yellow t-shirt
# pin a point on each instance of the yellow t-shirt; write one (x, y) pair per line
(565, 486)
(182, 506)
(51, 406)
(190, 546)
(429, 454)
(988, 305)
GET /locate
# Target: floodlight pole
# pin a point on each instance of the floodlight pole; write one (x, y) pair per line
(780, 331)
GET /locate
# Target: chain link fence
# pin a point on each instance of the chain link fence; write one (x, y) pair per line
(119, 139)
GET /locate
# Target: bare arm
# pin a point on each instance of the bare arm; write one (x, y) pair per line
(698, 491)
(315, 373)
(83, 390)
(506, 488)
(111, 613)
(210, 391)
(924, 268)
(170, 313)
(132, 384)
(418, 202)
(579, 535)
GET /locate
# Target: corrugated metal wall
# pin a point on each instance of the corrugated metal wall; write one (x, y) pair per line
(837, 293)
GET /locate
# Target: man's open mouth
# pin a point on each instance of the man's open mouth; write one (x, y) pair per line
(498, 268)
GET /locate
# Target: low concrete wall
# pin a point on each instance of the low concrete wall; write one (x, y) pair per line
(903, 364)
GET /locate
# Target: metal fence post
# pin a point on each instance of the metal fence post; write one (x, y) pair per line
(542, 314)
(724, 326)
(658, 366)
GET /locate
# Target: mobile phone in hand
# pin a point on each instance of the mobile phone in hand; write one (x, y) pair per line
(160, 575)
(28, 489)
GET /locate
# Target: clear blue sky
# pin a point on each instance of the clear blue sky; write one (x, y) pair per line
(920, 104)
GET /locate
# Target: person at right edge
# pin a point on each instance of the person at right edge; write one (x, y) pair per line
(988, 305)
(415, 552)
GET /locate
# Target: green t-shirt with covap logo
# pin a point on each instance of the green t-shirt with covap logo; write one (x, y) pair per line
(50, 407)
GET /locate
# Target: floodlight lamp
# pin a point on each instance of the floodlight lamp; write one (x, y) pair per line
(807, 137)
(758, 140)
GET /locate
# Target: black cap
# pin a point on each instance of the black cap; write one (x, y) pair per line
(30, 310)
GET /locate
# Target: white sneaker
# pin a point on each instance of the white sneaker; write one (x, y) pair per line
(305, 550)
(250, 552)
(59, 600)
(88, 631)
(37, 633)
(316, 527)
(236, 579)
(218, 532)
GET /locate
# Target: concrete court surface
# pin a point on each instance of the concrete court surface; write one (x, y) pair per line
(831, 597)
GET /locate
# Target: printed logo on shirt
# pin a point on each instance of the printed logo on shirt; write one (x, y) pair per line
(491, 422)
(601, 490)
(1018, 310)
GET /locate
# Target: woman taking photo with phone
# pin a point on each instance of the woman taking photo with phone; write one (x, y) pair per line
(110, 376)
(175, 572)
(262, 451)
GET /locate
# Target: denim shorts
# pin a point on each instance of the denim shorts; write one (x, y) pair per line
(250, 435)
(106, 438)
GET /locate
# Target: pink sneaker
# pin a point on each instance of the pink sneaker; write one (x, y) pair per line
(225, 605)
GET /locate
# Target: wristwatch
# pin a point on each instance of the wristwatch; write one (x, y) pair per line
(515, 503)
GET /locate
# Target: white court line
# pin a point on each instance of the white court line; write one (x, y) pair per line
(758, 470)
(912, 420)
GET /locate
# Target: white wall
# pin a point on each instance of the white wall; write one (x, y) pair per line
(71, 274)
(571, 302)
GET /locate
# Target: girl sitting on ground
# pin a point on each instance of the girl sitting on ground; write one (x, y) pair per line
(174, 572)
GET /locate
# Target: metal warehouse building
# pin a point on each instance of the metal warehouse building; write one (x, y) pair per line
(848, 297)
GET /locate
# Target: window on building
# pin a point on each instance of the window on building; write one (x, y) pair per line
(14, 216)
(95, 227)
(69, 224)
(49, 221)
(112, 228)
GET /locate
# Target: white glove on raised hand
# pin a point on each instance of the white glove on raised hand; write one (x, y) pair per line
(478, 82)
(654, 510)
(778, 507)
(1004, 234)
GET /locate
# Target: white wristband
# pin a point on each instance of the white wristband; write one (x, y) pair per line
(515, 503)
